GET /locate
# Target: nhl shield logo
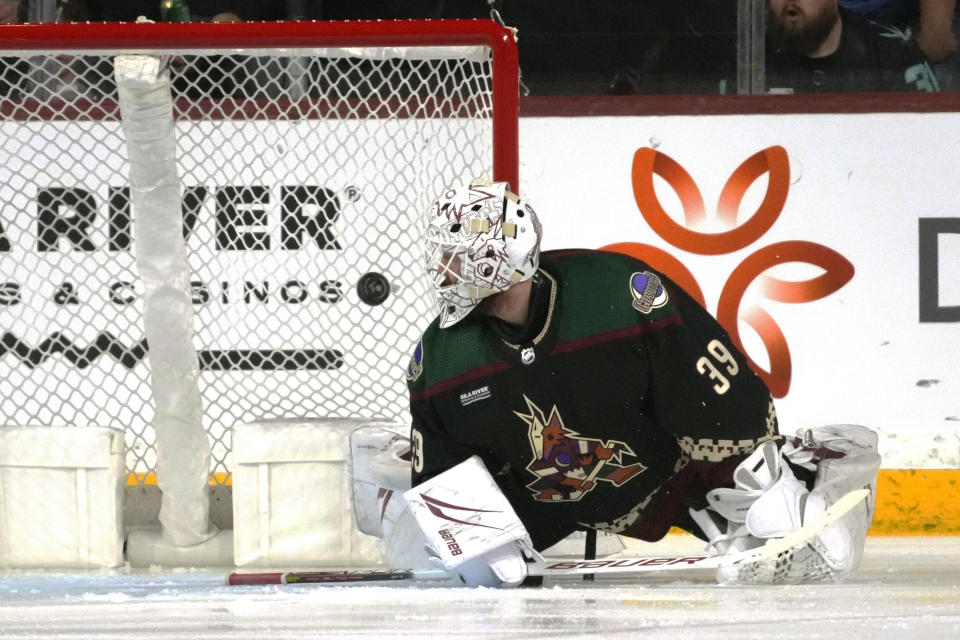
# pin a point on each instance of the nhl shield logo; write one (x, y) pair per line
(647, 291)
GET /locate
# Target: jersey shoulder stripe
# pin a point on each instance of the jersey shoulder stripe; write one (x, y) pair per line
(617, 334)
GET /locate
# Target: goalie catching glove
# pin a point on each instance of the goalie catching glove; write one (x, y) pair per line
(472, 531)
(768, 501)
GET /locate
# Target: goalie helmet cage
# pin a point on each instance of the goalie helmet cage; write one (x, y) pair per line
(306, 153)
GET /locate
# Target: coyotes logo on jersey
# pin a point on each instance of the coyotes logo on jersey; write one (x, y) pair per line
(566, 465)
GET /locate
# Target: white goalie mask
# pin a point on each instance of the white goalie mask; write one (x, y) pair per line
(481, 240)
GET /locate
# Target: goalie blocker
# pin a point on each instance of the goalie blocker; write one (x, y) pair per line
(472, 531)
(459, 521)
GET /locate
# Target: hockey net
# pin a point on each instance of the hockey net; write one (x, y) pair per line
(306, 153)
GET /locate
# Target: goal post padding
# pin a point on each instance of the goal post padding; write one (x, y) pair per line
(305, 152)
(146, 108)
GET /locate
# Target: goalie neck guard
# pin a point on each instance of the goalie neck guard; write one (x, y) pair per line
(481, 240)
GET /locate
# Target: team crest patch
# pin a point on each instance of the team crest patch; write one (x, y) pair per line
(567, 466)
(415, 368)
(648, 293)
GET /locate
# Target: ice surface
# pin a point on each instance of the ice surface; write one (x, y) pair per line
(906, 588)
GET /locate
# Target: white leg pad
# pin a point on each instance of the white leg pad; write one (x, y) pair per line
(841, 544)
(380, 473)
(844, 458)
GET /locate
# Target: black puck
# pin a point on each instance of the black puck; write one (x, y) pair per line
(373, 288)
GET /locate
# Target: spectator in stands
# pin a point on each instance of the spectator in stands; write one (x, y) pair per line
(934, 24)
(815, 46)
(938, 36)
(929, 22)
(936, 29)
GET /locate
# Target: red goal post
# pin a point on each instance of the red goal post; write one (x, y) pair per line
(305, 152)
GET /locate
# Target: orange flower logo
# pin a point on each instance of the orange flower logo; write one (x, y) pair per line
(773, 162)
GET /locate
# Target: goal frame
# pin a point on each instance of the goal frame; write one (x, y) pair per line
(131, 39)
(134, 37)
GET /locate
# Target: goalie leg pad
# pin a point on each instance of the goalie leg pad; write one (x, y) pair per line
(844, 458)
(379, 471)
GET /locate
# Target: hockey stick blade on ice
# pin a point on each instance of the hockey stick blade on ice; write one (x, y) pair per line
(622, 566)
(340, 576)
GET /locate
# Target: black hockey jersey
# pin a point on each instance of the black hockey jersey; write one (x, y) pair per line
(870, 57)
(587, 415)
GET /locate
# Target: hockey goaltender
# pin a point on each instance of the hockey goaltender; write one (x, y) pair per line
(576, 390)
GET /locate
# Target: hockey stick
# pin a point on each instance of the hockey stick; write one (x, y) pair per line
(771, 549)
(614, 566)
(336, 575)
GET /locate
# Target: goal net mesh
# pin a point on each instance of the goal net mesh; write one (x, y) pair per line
(304, 173)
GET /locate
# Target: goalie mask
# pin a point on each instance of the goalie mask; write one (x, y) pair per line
(481, 240)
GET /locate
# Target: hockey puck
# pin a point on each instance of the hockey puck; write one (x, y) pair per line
(373, 288)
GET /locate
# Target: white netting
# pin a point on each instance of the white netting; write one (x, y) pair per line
(797, 565)
(301, 173)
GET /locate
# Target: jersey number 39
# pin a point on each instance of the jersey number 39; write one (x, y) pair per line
(723, 357)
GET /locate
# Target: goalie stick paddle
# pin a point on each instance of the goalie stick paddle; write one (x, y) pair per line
(614, 566)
